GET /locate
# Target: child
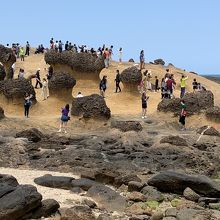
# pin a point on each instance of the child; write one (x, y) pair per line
(144, 99)
(195, 85)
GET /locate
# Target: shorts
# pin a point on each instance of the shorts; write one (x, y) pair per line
(144, 106)
(182, 120)
(64, 118)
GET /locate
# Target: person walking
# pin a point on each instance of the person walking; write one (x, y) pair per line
(44, 89)
(103, 86)
(183, 85)
(182, 118)
(120, 55)
(27, 52)
(38, 81)
(156, 84)
(117, 81)
(106, 57)
(142, 60)
(163, 88)
(27, 104)
(21, 53)
(144, 100)
(64, 118)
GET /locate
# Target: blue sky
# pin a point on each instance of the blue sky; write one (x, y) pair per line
(185, 33)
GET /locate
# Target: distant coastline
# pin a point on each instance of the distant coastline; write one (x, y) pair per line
(215, 78)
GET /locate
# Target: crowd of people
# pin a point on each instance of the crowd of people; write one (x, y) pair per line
(148, 82)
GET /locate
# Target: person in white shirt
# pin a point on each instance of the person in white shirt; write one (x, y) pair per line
(79, 95)
(21, 74)
(120, 55)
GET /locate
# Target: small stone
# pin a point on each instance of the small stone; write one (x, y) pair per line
(157, 216)
(171, 212)
(137, 197)
(191, 195)
(134, 186)
(214, 206)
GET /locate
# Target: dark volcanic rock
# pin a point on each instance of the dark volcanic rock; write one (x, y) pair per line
(126, 179)
(31, 134)
(7, 58)
(135, 186)
(80, 62)
(2, 73)
(61, 85)
(207, 130)
(152, 194)
(127, 125)
(2, 115)
(15, 90)
(131, 77)
(107, 198)
(213, 113)
(18, 203)
(170, 181)
(83, 183)
(159, 62)
(131, 60)
(195, 103)
(174, 140)
(47, 208)
(55, 181)
(92, 106)
(106, 177)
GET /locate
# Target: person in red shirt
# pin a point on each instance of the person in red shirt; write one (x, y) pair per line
(106, 57)
(169, 87)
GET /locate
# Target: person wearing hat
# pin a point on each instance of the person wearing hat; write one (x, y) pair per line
(38, 81)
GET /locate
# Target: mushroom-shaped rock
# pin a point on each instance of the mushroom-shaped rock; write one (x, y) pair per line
(2, 114)
(13, 91)
(7, 58)
(79, 65)
(131, 77)
(213, 113)
(159, 62)
(92, 106)
(131, 60)
(2, 72)
(61, 85)
(195, 103)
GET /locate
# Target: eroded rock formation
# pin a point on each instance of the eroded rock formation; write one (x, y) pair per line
(61, 85)
(7, 58)
(79, 65)
(131, 77)
(13, 91)
(195, 103)
(93, 106)
(2, 72)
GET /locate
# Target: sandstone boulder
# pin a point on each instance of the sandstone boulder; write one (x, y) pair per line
(54, 181)
(195, 103)
(213, 113)
(2, 113)
(173, 182)
(13, 91)
(31, 134)
(174, 140)
(127, 125)
(130, 78)
(7, 58)
(131, 60)
(208, 130)
(93, 106)
(80, 65)
(61, 85)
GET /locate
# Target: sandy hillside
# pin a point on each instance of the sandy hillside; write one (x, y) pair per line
(122, 104)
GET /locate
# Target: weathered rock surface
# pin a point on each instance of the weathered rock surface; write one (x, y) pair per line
(170, 181)
(7, 58)
(159, 62)
(2, 72)
(174, 140)
(81, 65)
(107, 198)
(31, 134)
(130, 78)
(195, 103)
(83, 183)
(2, 113)
(55, 181)
(135, 186)
(213, 113)
(93, 106)
(13, 91)
(152, 194)
(191, 195)
(61, 85)
(127, 125)
(207, 130)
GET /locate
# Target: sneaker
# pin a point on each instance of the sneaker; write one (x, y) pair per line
(59, 130)
(143, 117)
(65, 132)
